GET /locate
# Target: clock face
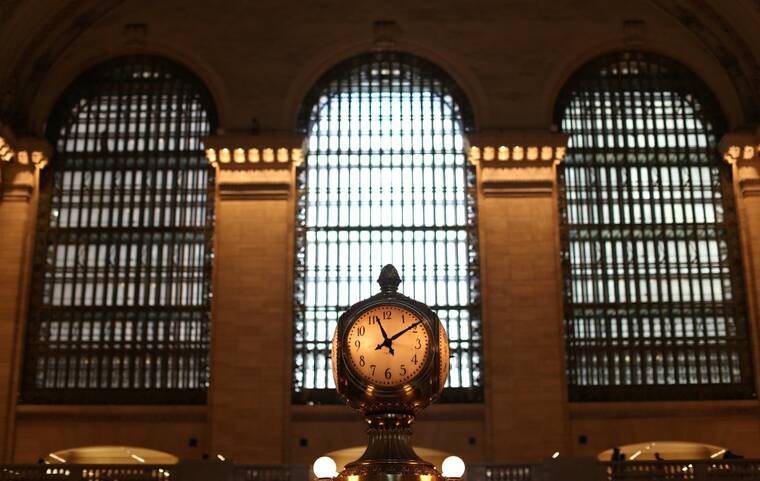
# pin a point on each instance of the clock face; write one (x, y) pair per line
(388, 346)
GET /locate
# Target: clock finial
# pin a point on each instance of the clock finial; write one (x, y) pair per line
(389, 279)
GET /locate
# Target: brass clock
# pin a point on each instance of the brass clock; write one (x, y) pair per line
(389, 351)
(388, 346)
(390, 359)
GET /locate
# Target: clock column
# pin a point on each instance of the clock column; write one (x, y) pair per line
(251, 328)
(521, 289)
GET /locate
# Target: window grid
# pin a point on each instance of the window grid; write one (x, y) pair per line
(654, 299)
(385, 181)
(121, 286)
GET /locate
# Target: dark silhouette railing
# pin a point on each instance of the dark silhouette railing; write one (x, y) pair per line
(568, 469)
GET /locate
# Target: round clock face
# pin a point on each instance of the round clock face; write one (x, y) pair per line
(387, 346)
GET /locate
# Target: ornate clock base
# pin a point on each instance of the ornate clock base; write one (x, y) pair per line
(389, 455)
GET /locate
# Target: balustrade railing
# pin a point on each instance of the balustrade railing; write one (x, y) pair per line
(566, 469)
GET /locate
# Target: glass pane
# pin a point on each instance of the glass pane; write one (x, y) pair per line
(385, 181)
(653, 286)
(121, 288)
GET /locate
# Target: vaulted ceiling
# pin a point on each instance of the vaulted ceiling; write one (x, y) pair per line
(259, 53)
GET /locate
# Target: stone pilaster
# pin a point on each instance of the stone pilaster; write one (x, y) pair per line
(521, 279)
(20, 163)
(741, 149)
(252, 312)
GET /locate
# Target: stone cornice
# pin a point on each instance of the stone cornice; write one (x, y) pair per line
(516, 148)
(264, 151)
(24, 151)
(741, 146)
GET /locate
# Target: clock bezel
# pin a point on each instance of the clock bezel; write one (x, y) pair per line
(347, 348)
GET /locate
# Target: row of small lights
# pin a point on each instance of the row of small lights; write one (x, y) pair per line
(325, 468)
(253, 155)
(516, 153)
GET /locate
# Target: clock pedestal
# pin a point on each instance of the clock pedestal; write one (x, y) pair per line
(390, 360)
(389, 455)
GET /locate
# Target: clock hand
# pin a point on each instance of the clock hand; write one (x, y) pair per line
(385, 336)
(399, 334)
(387, 343)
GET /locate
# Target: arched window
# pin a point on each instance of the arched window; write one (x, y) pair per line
(654, 296)
(121, 290)
(385, 181)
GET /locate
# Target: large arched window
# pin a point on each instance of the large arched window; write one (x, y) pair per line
(120, 297)
(654, 297)
(385, 181)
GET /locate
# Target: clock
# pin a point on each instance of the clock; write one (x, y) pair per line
(388, 345)
(389, 351)
(390, 359)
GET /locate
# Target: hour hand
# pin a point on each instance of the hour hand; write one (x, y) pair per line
(386, 343)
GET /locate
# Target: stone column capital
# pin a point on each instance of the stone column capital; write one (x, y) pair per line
(516, 148)
(741, 149)
(516, 163)
(25, 151)
(20, 158)
(254, 166)
(741, 145)
(245, 151)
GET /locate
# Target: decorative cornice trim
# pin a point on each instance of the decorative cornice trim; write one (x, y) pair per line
(25, 151)
(16, 193)
(503, 149)
(750, 187)
(742, 145)
(254, 191)
(517, 188)
(268, 150)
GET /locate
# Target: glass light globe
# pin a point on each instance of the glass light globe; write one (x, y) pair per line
(452, 467)
(324, 467)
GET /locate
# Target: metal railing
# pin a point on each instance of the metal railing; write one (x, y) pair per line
(569, 469)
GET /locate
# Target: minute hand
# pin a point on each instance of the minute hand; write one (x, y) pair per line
(399, 334)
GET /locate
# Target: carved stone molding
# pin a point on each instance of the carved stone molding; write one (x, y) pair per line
(741, 145)
(19, 159)
(516, 163)
(741, 149)
(254, 166)
(510, 149)
(267, 150)
(25, 151)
